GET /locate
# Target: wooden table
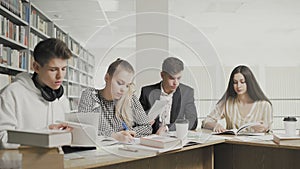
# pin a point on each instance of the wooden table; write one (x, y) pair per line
(193, 157)
(32, 158)
(229, 154)
(234, 154)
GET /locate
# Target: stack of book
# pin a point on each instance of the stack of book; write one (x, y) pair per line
(156, 144)
(280, 138)
(157, 141)
(40, 138)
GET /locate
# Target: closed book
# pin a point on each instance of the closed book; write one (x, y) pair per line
(283, 138)
(159, 141)
(40, 138)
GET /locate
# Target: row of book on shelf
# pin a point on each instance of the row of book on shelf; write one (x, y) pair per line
(12, 57)
(79, 76)
(17, 33)
(16, 7)
(60, 34)
(81, 64)
(39, 23)
(74, 46)
(34, 40)
(13, 31)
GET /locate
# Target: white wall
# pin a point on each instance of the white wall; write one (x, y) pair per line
(212, 37)
(264, 35)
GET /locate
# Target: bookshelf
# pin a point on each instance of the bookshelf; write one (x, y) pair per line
(22, 26)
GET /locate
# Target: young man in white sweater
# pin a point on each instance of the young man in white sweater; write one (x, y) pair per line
(36, 101)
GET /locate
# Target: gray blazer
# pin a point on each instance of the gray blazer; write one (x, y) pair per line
(183, 106)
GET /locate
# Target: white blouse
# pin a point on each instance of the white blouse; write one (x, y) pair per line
(260, 111)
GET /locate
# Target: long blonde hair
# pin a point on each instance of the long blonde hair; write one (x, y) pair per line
(123, 105)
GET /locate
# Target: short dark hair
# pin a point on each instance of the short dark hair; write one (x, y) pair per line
(50, 48)
(172, 66)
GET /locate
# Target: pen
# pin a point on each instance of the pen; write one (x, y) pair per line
(124, 126)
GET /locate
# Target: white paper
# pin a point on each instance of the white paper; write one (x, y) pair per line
(85, 118)
(85, 126)
(82, 134)
(141, 147)
(157, 108)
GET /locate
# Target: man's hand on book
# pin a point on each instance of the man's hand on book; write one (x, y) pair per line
(60, 126)
(162, 130)
(219, 128)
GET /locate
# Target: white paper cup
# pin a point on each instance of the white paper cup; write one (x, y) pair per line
(290, 126)
(182, 126)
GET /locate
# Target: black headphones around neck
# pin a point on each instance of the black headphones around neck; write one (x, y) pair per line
(48, 93)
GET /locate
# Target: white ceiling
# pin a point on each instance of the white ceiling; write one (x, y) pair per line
(82, 18)
(235, 27)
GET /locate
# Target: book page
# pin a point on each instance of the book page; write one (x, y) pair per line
(153, 149)
(230, 132)
(85, 118)
(106, 141)
(247, 125)
(157, 108)
(82, 134)
(238, 131)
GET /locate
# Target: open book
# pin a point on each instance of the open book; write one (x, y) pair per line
(241, 130)
(85, 135)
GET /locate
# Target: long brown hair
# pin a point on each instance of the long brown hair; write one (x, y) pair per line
(253, 89)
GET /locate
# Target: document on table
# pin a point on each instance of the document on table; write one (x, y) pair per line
(111, 152)
(157, 108)
(267, 137)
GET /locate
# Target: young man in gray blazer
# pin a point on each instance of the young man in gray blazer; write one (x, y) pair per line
(179, 98)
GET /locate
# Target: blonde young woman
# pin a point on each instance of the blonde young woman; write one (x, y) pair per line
(243, 102)
(122, 116)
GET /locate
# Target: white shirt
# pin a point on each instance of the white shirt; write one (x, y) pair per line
(166, 114)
